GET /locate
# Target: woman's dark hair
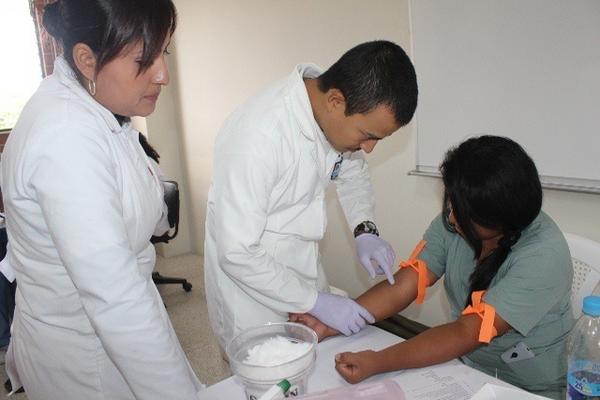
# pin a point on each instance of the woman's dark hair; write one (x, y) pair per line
(372, 74)
(490, 181)
(148, 149)
(109, 26)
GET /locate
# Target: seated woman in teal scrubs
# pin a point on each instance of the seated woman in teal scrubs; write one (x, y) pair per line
(507, 273)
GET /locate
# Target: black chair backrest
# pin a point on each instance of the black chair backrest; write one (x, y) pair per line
(172, 201)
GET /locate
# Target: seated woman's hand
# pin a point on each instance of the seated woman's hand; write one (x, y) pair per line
(356, 367)
(323, 331)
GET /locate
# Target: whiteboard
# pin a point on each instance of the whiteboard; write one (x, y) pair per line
(526, 69)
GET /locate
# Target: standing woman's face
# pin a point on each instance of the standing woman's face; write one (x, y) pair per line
(123, 90)
(120, 87)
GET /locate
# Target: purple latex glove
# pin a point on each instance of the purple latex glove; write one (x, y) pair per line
(371, 248)
(341, 313)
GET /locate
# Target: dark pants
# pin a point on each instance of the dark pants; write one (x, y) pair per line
(7, 297)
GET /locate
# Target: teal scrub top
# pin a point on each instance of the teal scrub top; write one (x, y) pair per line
(531, 292)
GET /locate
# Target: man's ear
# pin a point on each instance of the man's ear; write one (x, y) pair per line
(335, 100)
(85, 60)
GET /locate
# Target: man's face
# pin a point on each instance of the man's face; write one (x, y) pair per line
(359, 131)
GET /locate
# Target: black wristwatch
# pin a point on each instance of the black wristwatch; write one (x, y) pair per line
(366, 227)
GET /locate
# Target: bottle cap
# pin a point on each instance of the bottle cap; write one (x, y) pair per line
(591, 305)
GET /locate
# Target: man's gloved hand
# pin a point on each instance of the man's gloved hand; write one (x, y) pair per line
(341, 313)
(371, 248)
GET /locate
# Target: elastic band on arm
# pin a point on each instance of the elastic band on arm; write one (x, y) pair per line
(486, 312)
(421, 267)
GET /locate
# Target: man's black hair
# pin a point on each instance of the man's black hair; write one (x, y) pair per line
(372, 74)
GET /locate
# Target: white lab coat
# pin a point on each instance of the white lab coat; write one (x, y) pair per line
(266, 208)
(82, 201)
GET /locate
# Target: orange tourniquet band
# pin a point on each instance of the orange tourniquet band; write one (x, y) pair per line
(487, 314)
(421, 267)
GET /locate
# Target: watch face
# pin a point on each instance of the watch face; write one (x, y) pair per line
(370, 227)
(366, 227)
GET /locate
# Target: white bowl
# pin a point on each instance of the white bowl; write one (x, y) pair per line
(257, 379)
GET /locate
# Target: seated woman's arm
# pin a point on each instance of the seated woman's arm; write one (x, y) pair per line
(382, 301)
(434, 346)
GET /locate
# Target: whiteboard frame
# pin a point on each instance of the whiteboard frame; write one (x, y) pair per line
(589, 186)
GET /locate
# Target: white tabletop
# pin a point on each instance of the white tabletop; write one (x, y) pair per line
(451, 380)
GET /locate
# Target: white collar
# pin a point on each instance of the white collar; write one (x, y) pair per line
(301, 106)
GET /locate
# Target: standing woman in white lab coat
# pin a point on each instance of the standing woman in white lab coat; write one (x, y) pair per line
(82, 201)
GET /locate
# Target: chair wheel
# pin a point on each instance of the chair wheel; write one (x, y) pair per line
(187, 286)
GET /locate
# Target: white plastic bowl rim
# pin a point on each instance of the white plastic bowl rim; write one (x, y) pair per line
(274, 373)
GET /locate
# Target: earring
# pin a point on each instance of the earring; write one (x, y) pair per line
(91, 87)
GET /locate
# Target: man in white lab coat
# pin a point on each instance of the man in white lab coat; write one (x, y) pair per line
(274, 158)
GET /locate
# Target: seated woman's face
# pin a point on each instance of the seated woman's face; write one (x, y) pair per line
(481, 231)
(123, 90)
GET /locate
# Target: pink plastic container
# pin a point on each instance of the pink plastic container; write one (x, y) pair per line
(382, 390)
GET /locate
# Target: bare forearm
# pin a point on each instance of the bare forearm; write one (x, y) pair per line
(434, 346)
(384, 300)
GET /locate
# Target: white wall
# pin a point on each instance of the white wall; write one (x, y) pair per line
(228, 49)
(163, 130)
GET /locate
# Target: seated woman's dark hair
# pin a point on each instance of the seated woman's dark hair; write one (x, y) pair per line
(109, 26)
(490, 181)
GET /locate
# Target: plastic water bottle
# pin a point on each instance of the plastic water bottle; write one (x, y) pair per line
(583, 352)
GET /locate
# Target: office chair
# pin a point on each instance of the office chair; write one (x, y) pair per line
(172, 201)
(585, 254)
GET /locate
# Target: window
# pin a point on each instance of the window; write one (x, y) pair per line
(28, 52)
